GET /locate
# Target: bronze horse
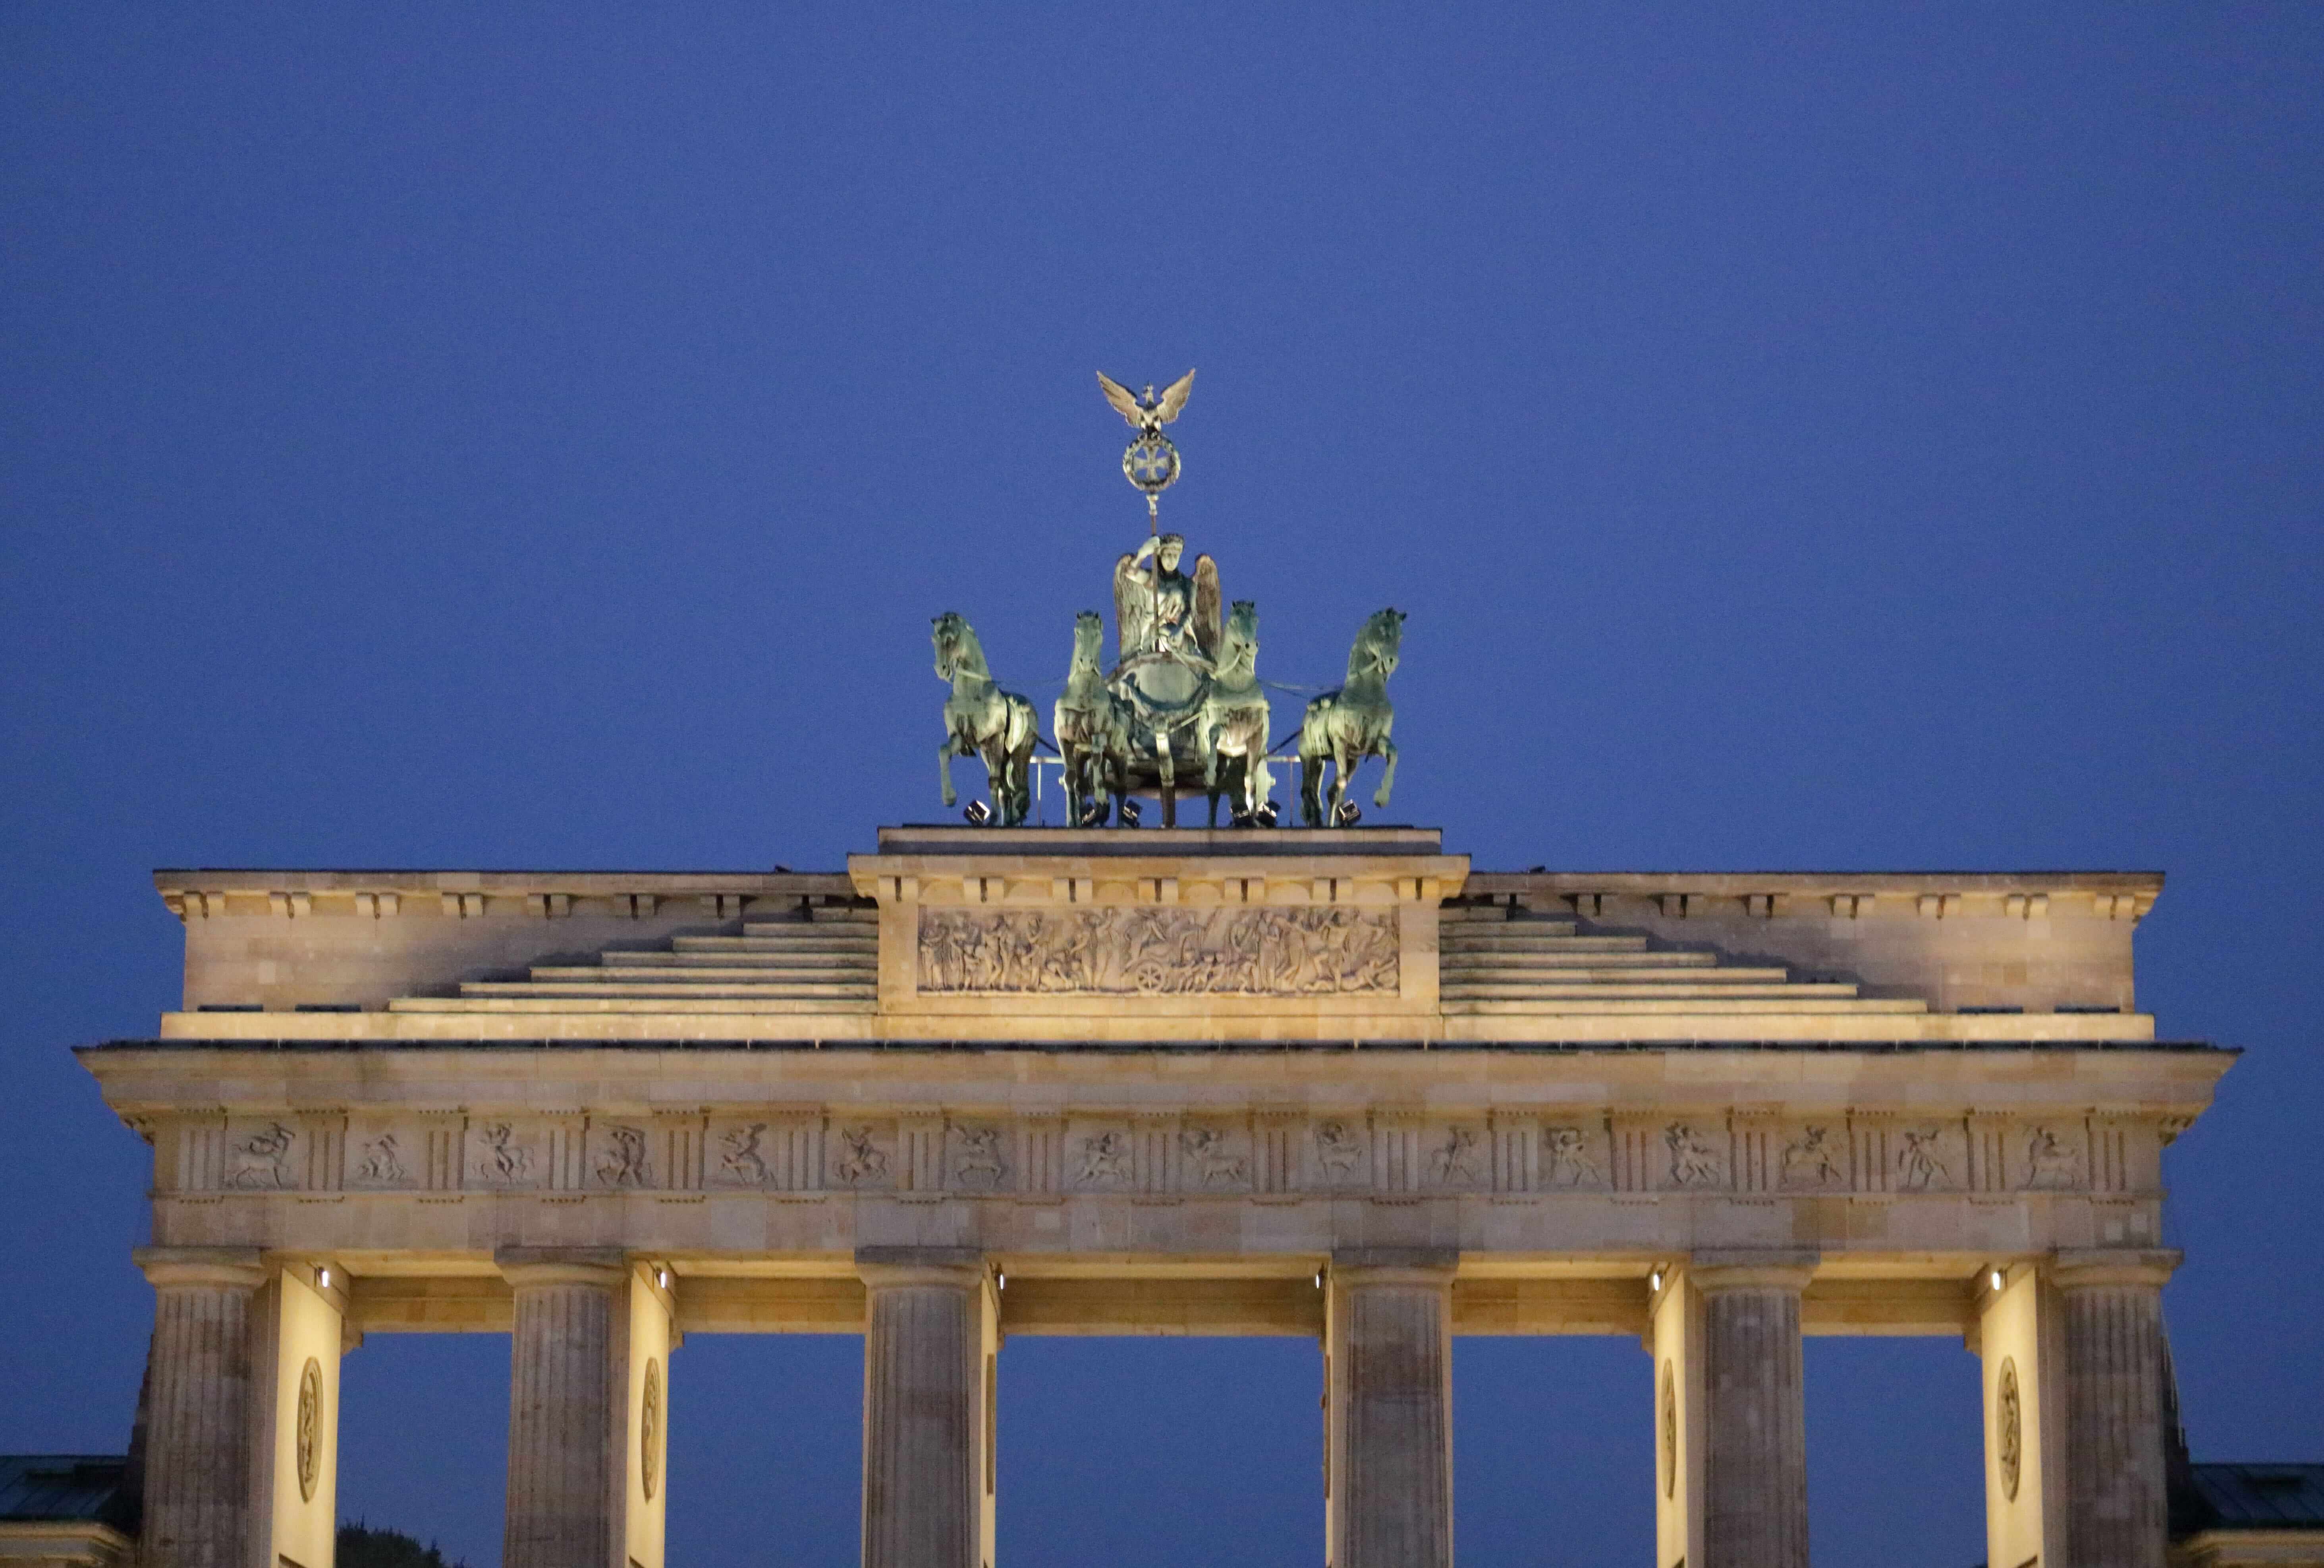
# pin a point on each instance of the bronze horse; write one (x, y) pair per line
(1094, 730)
(1343, 727)
(997, 725)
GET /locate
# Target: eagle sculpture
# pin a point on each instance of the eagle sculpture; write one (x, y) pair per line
(1147, 413)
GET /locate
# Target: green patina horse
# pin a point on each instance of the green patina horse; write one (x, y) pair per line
(1093, 728)
(1343, 727)
(979, 717)
(1233, 724)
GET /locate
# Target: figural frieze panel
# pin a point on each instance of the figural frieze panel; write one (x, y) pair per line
(1573, 1158)
(620, 1156)
(383, 1157)
(1696, 1156)
(1132, 950)
(2052, 1157)
(261, 1155)
(507, 1155)
(976, 1156)
(1341, 1156)
(863, 1156)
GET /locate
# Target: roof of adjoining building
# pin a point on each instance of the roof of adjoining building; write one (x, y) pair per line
(2257, 1497)
(48, 1488)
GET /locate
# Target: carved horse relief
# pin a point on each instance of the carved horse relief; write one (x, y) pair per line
(997, 725)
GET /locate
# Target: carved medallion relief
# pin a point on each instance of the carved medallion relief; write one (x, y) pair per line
(307, 1449)
(650, 1430)
(1133, 950)
(2008, 1427)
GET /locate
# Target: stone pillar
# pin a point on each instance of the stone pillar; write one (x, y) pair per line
(2073, 1370)
(2117, 1510)
(298, 1329)
(1755, 1480)
(1730, 1441)
(197, 1459)
(929, 1375)
(1387, 1430)
(566, 1351)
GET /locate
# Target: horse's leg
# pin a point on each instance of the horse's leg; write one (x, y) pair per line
(1311, 808)
(1388, 776)
(944, 754)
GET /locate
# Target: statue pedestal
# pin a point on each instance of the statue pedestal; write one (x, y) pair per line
(1100, 935)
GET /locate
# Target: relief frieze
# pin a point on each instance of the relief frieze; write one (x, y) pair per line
(1131, 950)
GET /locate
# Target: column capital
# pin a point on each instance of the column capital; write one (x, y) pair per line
(242, 1268)
(1431, 1266)
(2092, 1267)
(604, 1267)
(955, 1268)
(1755, 1269)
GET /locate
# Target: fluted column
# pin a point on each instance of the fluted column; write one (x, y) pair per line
(567, 1454)
(2116, 1509)
(1388, 1410)
(925, 1420)
(1754, 1484)
(198, 1460)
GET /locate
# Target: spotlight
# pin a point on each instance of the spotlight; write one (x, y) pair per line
(1994, 1279)
(661, 1278)
(978, 813)
(323, 1277)
(1347, 816)
(1241, 818)
(1269, 814)
(1319, 1280)
(1130, 812)
(1654, 1280)
(1001, 1281)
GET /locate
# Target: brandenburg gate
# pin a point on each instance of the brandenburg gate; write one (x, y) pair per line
(1006, 1079)
(1001, 1082)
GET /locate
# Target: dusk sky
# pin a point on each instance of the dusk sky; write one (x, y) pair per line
(1818, 437)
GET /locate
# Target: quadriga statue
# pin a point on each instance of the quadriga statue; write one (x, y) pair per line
(979, 717)
(1343, 727)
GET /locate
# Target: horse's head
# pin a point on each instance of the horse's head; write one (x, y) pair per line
(1238, 638)
(1378, 645)
(952, 638)
(1089, 638)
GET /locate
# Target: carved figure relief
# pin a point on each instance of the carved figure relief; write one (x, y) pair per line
(261, 1161)
(2008, 1427)
(623, 1164)
(1920, 1163)
(1570, 1161)
(1105, 1160)
(741, 1160)
(650, 1429)
(309, 1445)
(1668, 1422)
(504, 1161)
(1455, 1163)
(1132, 950)
(1214, 1164)
(381, 1164)
(1694, 1161)
(1338, 1149)
(864, 1159)
(978, 1163)
(2051, 1162)
(1812, 1159)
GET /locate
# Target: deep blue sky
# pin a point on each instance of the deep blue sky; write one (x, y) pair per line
(1809, 436)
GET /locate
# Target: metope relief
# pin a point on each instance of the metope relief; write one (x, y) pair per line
(978, 1163)
(1339, 1149)
(1102, 1160)
(377, 1159)
(258, 1157)
(860, 1157)
(1695, 1161)
(504, 1155)
(741, 1155)
(1457, 1159)
(1211, 1160)
(1927, 1160)
(1131, 950)
(2053, 1161)
(1815, 1159)
(621, 1158)
(1570, 1159)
